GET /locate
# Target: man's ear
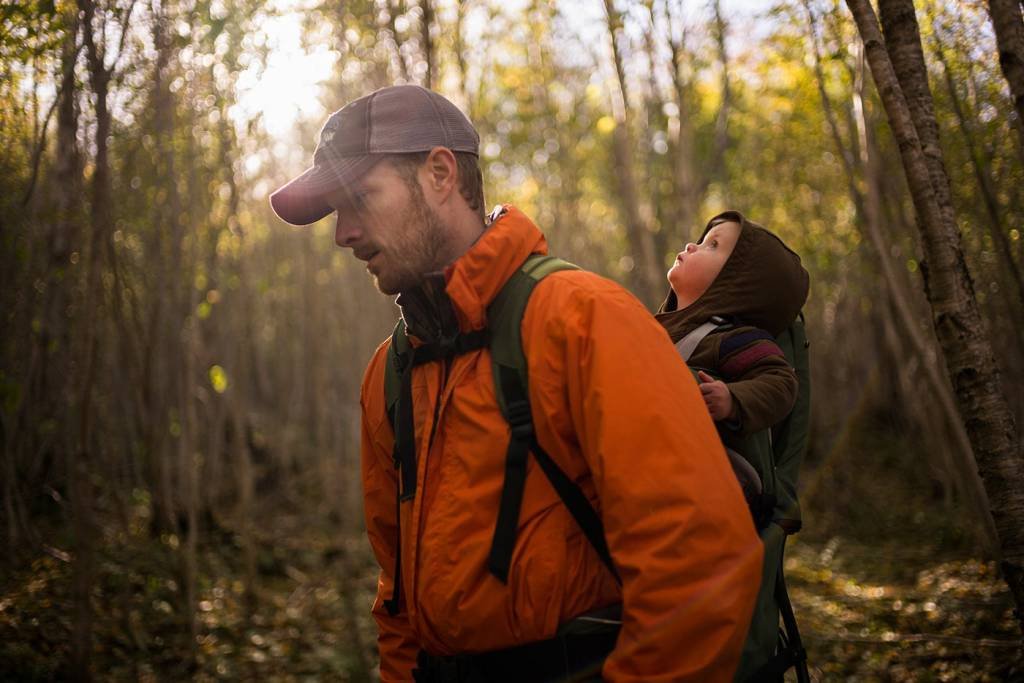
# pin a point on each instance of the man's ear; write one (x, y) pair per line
(442, 172)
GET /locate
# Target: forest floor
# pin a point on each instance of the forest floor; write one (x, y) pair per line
(896, 613)
(899, 613)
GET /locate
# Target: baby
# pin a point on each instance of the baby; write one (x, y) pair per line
(753, 286)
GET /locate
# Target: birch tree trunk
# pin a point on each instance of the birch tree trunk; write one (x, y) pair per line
(1008, 22)
(957, 320)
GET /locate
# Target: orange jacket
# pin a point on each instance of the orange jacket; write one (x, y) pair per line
(619, 412)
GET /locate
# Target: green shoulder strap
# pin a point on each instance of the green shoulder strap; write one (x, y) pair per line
(505, 317)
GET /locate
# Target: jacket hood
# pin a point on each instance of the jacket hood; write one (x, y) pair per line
(762, 284)
(457, 298)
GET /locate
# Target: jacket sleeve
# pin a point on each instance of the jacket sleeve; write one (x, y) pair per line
(762, 383)
(398, 647)
(674, 516)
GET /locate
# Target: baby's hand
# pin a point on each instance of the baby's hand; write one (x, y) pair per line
(717, 396)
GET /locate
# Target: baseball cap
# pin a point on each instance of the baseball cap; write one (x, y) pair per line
(399, 119)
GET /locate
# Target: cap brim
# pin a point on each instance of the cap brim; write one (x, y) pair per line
(302, 200)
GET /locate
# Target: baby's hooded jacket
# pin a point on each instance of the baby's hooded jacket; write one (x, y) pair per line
(760, 290)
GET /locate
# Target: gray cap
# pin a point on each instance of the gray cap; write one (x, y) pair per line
(400, 119)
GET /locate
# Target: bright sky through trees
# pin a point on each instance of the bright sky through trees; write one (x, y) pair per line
(287, 88)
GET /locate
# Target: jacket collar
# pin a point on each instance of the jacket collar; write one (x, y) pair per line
(476, 277)
(457, 299)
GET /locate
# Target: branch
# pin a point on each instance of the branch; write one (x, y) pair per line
(615, 22)
(898, 112)
(393, 10)
(426, 18)
(124, 34)
(898, 638)
(37, 153)
(722, 119)
(830, 116)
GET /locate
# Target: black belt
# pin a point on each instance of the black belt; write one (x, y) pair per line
(573, 657)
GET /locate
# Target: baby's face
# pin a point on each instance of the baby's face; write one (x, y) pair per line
(697, 266)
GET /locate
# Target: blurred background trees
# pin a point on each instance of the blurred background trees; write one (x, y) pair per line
(179, 372)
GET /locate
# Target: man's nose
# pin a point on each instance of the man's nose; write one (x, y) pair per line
(346, 232)
(690, 247)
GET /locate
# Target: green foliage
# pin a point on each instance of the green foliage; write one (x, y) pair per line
(28, 29)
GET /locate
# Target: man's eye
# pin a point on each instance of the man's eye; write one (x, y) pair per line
(714, 243)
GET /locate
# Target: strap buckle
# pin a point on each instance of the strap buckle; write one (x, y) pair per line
(520, 419)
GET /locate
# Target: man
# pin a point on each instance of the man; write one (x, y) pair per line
(612, 407)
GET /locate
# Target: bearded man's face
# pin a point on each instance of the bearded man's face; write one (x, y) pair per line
(386, 221)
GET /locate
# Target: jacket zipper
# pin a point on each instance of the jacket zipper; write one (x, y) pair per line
(445, 367)
(421, 494)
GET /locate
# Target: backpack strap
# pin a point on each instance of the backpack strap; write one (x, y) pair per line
(789, 650)
(505, 317)
(790, 436)
(398, 365)
(688, 344)
(402, 358)
(397, 357)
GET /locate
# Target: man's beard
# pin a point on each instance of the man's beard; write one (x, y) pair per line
(420, 245)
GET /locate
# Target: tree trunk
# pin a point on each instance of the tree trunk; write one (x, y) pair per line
(903, 44)
(68, 167)
(164, 324)
(717, 164)
(687, 196)
(189, 476)
(957, 320)
(394, 9)
(459, 48)
(965, 473)
(53, 350)
(238, 395)
(82, 464)
(426, 21)
(1008, 22)
(645, 274)
(690, 177)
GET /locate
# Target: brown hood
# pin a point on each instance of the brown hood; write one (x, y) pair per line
(761, 284)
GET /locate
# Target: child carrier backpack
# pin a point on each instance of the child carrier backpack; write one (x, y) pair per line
(767, 465)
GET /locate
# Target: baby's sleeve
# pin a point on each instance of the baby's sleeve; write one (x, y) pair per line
(763, 384)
